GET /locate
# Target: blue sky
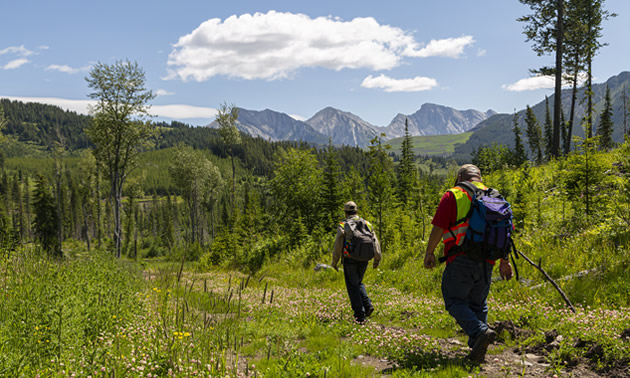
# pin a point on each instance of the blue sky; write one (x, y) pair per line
(372, 58)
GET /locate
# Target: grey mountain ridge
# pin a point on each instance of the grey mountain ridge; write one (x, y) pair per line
(345, 128)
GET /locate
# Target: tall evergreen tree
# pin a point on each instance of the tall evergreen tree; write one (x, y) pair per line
(545, 28)
(3, 124)
(332, 196)
(606, 125)
(45, 221)
(407, 176)
(380, 190)
(534, 135)
(548, 130)
(520, 155)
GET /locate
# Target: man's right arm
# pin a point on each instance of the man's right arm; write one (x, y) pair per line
(434, 240)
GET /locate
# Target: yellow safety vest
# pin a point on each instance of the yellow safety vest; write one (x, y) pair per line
(457, 232)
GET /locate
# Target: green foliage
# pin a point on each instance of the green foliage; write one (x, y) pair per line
(492, 158)
(534, 135)
(56, 311)
(605, 128)
(46, 218)
(296, 188)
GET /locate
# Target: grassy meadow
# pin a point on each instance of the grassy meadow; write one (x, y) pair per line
(89, 314)
(431, 145)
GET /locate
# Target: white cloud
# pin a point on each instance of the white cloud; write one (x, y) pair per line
(415, 84)
(481, 52)
(67, 69)
(182, 111)
(79, 106)
(274, 45)
(297, 117)
(449, 47)
(539, 82)
(16, 50)
(16, 63)
(82, 107)
(164, 92)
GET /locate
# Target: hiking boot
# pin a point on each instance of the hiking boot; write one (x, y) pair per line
(369, 311)
(480, 347)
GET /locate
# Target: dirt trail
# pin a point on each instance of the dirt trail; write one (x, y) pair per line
(501, 361)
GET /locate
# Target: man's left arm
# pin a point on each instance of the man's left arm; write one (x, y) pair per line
(338, 248)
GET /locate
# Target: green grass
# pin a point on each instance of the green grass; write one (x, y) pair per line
(441, 145)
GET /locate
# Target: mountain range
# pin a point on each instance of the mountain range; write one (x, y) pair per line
(345, 128)
(498, 128)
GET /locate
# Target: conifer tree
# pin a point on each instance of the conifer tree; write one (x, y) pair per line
(534, 135)
(406, 169)
(545, 28)
(605, 129)
(3, 124)
(520, 156)
(380, 190)
(548, 131)
(332, 195)
(45, 221)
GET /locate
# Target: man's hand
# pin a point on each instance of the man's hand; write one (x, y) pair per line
(505, 269)
(429, 260)
(375, 264)
(335, 267)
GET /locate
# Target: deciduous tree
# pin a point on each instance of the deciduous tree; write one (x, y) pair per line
(118, 130)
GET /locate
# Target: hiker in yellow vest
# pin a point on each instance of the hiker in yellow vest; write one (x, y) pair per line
(465, 283)
(353, 269)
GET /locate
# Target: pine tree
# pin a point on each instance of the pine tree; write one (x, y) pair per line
(332, 195)
(548, 132)
(45, 221)
(606, 125)
(406, 170)
(534, 135)
(545, 28)
(519, 155)
(380, 190)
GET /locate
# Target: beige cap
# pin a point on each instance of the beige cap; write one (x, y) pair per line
(468, 171)
(350, 206)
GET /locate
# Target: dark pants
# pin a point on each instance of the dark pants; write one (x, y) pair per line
(353, 272)
(465, 288)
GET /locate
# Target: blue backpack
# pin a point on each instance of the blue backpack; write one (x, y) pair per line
(489, 235)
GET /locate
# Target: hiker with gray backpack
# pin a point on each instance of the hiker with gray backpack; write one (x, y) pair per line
(356, 244)
(475, 224)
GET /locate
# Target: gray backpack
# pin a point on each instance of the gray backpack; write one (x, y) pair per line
(360, 243)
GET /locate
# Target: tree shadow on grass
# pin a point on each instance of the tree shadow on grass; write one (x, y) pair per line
(430, 361)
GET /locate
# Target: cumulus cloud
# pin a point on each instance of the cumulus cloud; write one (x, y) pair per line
(16, 63)
(82, 107)
(449, 47)
(389, 84)
(274, 45)
(182, 111)
(66, 69)
(539, 82)
(16, 50)
(297, 117)
(164, 92)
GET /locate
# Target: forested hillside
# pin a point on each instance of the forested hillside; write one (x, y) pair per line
(498, 128)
